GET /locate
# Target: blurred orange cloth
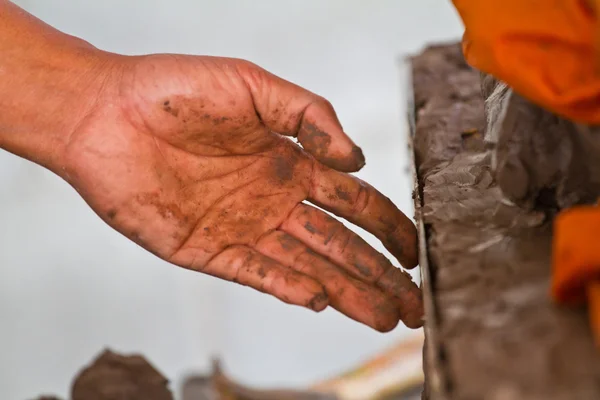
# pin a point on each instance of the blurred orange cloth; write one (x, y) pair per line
(546, 50)
(576, 255)
(576, 261)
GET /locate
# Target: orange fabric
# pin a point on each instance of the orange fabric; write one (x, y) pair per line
(576, 261)
(546, 50)
(576, 258)
(593, 293)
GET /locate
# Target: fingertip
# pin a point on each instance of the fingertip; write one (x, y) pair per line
(411, 262)
(415, 320)
(354, 161)
(386, 326)
(409, 298)
(358, 157)
(319, 302)
(414, 323)
(403, 245)
(412, 309)
(322, 135)
(386, 315)
(334, 151)
(347, 164)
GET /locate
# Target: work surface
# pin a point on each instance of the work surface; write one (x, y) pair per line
(492, 330)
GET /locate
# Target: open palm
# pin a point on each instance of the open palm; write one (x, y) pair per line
(192, 158)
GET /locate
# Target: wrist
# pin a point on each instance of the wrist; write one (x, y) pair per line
(49, 84)
(46, 101)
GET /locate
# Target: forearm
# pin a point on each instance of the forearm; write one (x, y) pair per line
(48, 83)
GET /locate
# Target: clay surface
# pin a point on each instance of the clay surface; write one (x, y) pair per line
(498, 335)
(540, 159)
(115, 377)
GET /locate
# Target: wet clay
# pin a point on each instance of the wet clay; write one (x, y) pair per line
(497, 333)
(116, 377)
(540, 159)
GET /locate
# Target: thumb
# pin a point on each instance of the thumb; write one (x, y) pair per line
(290, 110)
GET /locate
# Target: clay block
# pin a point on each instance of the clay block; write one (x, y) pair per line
(116, 377)
(492, 330)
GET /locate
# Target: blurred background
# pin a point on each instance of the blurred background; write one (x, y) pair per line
(70, 286)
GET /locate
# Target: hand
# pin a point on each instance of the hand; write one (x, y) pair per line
(192, 158)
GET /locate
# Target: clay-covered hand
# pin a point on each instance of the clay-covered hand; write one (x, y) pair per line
(193, 159)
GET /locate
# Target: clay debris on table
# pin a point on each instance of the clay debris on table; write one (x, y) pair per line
(497, 335)
(112, 376)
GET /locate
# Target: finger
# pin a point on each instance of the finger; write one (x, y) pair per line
(361, 204)
(247, 267)
(350, 296)
(291, 110)
(329, 237)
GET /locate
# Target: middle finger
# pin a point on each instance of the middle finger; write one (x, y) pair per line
(355, 299)
(329, 237)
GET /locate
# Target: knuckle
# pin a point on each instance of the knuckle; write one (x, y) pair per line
(325, 104)
(244, 261)
(363, 198)
(387, 277)
(314, 172)
(303, 263)
(252, 73)
(342, 239)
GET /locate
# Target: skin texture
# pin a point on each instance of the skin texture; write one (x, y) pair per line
(194, 159)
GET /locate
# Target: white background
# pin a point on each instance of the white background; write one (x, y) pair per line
(69, 285)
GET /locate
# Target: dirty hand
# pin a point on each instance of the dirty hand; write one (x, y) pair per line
(193, 159)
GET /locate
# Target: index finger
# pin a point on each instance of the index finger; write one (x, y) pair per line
(361, 204)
